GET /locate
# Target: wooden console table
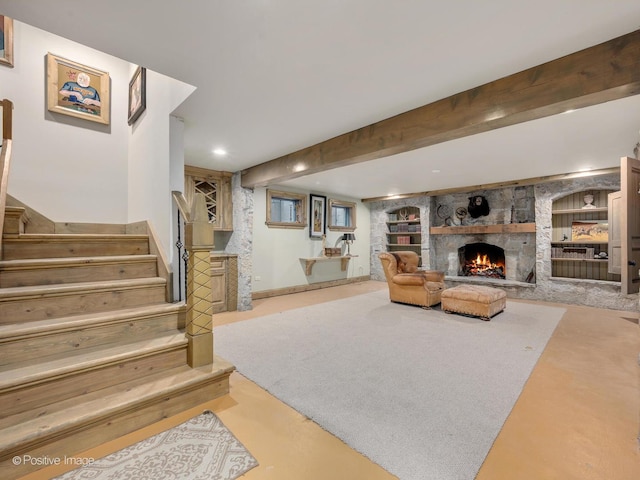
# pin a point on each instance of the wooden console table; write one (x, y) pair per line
(310, 262)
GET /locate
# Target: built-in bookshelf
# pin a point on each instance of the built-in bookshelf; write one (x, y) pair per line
(404, 230)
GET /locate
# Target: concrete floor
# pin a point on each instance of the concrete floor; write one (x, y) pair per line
(577, 417)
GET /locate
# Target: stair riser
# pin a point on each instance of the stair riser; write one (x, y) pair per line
(21, 248)
(41, 345)
(85, 272)
(35, 399)
(85, 436)
(21, 309)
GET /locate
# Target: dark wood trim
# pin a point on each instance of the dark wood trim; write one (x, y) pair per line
(595, 75)
(307, 288)
(7, 119)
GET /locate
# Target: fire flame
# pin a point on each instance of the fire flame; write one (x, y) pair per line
(481, 261)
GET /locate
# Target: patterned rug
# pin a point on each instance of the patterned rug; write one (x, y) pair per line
(201, 448)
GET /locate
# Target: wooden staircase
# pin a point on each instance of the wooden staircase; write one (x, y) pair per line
(89, 347)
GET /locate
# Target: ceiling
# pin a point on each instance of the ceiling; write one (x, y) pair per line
(275, 76)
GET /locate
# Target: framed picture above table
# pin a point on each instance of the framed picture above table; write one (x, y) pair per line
(317, 215)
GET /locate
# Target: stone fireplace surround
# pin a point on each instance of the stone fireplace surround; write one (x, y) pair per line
(524, 252)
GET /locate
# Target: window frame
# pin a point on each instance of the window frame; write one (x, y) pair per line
(298, 197)
(342, 203)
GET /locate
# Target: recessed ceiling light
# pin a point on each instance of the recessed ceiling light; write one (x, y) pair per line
(435, 171)
(219, 151)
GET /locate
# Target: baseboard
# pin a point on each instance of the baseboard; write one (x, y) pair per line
(306, 288)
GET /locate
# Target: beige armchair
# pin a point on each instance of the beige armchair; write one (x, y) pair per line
(408, 284)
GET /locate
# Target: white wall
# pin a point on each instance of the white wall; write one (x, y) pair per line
(69, 169)
(150, 156)
(74, 170)
(277, 251)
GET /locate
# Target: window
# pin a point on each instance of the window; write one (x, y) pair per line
(343, 215)
(286, 209)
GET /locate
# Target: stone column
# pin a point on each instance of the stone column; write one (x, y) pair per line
(199, 321)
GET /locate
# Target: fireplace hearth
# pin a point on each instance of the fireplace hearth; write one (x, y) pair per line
(482, 260)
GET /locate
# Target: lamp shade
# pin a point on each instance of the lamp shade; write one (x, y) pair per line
(348, 237)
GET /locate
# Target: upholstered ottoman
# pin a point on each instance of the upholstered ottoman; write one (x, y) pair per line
(476, 300)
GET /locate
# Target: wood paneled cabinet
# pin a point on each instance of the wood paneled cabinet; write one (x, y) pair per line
(216, 188)
(581, 235)
(224, 282)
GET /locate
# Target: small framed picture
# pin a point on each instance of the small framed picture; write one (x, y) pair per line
(318, 215)
(137, 94)
(77, 90)
(6, 41)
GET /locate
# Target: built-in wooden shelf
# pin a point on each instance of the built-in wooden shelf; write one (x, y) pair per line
(394, 222)
(471, 229)
(310, 262)
(578, 210)
(584, 242)
(597, 260)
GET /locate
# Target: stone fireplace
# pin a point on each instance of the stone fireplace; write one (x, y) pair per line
(496, 244)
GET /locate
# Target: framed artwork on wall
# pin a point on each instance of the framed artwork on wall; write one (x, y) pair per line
(590, 231)
(318, 215)
(6, 41)
(77, 90)
(137, 94)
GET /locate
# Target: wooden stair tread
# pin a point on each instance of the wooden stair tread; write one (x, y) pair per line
(105, 404)
(73, 322)
(88, 359)
(61, 261)
(70, 288)
(78, 236)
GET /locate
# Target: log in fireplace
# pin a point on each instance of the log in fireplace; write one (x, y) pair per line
(481, 260)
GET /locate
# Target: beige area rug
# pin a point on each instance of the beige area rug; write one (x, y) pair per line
(201, 448)
(421, 393)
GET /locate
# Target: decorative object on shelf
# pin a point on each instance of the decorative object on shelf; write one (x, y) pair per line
(332, 251)
(6, 41)
(324, 245)
(588, 201)
(77, 90)
(478, 206)
(403, 214)
(590, 231)
(461, 213)
(443, 211)
(348, 239)
(318, 215)
(137, 94)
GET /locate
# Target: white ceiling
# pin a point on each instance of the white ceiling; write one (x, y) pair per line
(275, 76)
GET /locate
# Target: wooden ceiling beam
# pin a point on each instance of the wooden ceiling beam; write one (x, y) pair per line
(608, 71)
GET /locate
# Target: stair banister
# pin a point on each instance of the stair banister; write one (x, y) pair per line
(5, 160)
(198, 243)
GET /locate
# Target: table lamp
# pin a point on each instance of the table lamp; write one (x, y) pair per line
(348, 238)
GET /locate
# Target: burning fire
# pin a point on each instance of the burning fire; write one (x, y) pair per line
(482, 261)
(483, 266)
